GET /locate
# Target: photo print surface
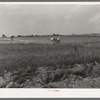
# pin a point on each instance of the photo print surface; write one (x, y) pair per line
(49, 45)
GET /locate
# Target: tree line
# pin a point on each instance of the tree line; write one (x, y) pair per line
(4, 36)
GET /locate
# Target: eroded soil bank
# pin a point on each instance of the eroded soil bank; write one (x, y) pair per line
(76, 76)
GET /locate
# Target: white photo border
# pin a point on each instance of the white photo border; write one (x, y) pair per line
(55, 92)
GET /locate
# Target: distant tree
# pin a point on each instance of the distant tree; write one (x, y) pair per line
(19, 35)
(55, 34)
(3, 36)
(12, 37)
(31, 35)
(27, 36)
(36, 35)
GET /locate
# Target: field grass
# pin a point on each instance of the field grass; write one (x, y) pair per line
(46, 39)
(64, 39)
(18, 56)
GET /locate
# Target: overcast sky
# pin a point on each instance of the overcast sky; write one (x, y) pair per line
(49, 19)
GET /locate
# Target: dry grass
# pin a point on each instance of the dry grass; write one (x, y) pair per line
(18, 56)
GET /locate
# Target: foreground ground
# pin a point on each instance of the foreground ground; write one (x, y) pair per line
(50, 66)
(81, 76)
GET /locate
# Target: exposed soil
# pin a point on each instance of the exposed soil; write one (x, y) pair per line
(76, 76)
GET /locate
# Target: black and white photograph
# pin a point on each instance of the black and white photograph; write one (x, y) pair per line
(49, 45)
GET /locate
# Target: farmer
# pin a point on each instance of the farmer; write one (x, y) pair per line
(55, 40)
(58, 40)
(52, 40)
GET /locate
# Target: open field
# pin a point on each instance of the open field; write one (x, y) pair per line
(13, 56)
(43, 53)
(46, 39)
(64, 39)
(70, 54)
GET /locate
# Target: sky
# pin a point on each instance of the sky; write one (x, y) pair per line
(49, 19)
